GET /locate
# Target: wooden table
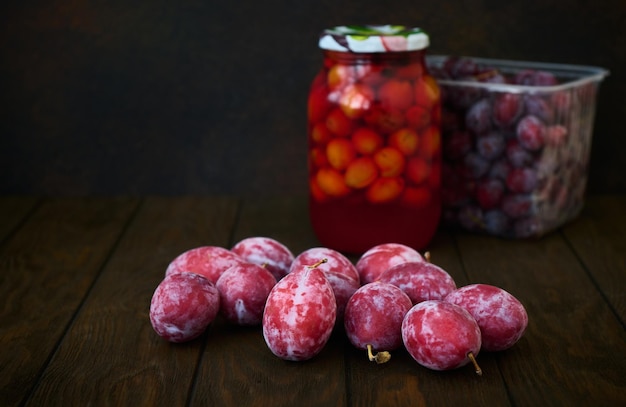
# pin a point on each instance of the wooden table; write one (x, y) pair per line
(78, 275)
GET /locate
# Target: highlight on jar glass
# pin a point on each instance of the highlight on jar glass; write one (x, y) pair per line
(516, 142)
(374, 137)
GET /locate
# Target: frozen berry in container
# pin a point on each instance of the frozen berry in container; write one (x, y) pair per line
(530, 126)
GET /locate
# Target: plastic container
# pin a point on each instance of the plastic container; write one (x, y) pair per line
(516, 142)
(374, 140)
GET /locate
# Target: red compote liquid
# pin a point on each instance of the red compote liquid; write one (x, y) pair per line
(374, 121)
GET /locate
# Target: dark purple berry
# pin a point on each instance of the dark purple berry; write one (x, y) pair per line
(530, 133)
(517, 155)
(491, 146)
(495, 77)
(475, 165)
(517, 205)
(489, 193)
(499, 169)
(537, 106)
(532, 77)
(460, 67)
(524, 77)
(507, 107)
(544, 78)
(478, 117)
(496, 222)
(521, 180)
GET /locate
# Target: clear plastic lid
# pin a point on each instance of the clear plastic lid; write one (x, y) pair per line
(569, 76)
(373, 38)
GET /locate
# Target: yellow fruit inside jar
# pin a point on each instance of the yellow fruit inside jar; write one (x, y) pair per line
(376, 114)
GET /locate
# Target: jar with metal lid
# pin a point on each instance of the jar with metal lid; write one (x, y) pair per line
(374, 144)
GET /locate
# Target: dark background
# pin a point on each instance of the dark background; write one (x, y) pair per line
(199, 97)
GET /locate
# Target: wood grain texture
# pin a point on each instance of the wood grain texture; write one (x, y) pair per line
(77, 276)
(238, 369)
(599, 239)
(13, 210)
(117, 358)
(47, 269)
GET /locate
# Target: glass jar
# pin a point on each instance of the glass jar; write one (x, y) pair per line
(374, 125)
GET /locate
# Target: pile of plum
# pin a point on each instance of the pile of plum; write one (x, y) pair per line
(392, 297)
(516, 147)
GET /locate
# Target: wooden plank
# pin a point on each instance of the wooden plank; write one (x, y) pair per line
(111, 355)
(13, 209)
(599, 239)
(573, 352)
(285, 219)
(74, 319)
(48, 266)
(237, 368)
(403, 382)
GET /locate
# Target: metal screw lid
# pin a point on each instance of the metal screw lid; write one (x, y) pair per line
(373, 38)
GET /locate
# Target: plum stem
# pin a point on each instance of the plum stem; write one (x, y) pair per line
(380, 357)
(427, 257)
(312, 266)
(477, 368)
